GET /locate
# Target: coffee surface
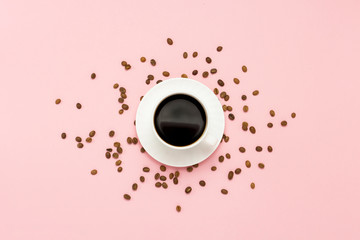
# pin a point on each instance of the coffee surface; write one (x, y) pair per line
(180, 120)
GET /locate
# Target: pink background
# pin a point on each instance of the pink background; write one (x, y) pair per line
(303, 56)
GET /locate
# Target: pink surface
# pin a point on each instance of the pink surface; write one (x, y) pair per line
(303, 56)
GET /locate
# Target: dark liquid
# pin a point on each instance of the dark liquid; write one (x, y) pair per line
(180, 120)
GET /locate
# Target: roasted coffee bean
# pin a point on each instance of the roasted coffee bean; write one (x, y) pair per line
(224, 191)
(118, 162)
(213, 70)
(163, 168)
(185, 55)
(109, 149)
(166, 73)
(78, 139)
(58, 101)
(184, 75)
(78, 106)
(231, 116)
(189, 169)
(108, 155)
(164, 185)
(150, 77)
(171, 176)
(245, 126)
(219, 48)
(115, 155)
(63, 135)
(153, 62)
(272, 113)
(216, 91)
(195, 72)
(205, 74)
(243, 97)
(245, 108)
(221, 83)
(244, 69)
(169, 41)
(195, 165)
(175, 180)
(247, 163)
(213, 168)
(269, 148)
(224, 107)
(283, 123)
(270, 125)
(293, 115)
(117, 144)
(123, 63)
(119, 169)
(202, 183)
(229, 108)
(222, 94)
(92, 133)
(228, 156)
(129, 140)
(252, 185)
(127, 67)
(111, 133)
(158, 81)
(127, 196)
(177, 173)
(208, 60)
(258, 148)
(195, 54)
(237, 171)
(141, 98)
(226, 138)
(226, 98)
(134, 186)
(230, 175)
(178, 208)
(188, 190)
(146, 169)
(123, 95)
(221, 158)
(93, 76)
(88, 139)
(142, 179)
(261, 165)
(142, 59)
(116, 85)
(147, 81)
(158, 184)
(142, 150)
(157, 176)
(256, 92)
(242, 149)
(163, 178)
(236, 81)
(135, 140)
(93, 172)
(252, 129)
(120, 100)
(119, 150)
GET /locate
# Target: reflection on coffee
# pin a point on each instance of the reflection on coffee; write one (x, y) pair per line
(180, 120)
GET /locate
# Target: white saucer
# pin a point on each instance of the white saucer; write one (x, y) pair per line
(172, 155)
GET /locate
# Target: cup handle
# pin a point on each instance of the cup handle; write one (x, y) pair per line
(210, 140)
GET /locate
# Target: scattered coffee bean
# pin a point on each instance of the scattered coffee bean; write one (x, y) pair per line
(221, 158)
(177, 173)
(123, 95)
(269, 148)
(185, 55)
(115, 155)
(178, 208)
(134, 186)
(118, 162)
(125, 106)
(146, 169)
(293, 115)
(213, 168)
(171, 175)
(219, 48)
(141, 98)
(229, 108)
(157, 176)
(216, 91)
(150, 77)
(195, 54)
(283, 123)
(78, 105)
(224, 191)
(242, 149)
(252, 129)
(119, 169)
(245, 126)
(120, 100)
(243, 97)
(184, 75)
(256, 92)
(111, 133)
(208, 60)
(109, 149)
(158, 184)
(127, 67)
(226, 98)
(224, 107)
(228, 156)
(247, 163)
(164, 185)
(93, 76)
(127, 196)
(142, 59)
(205, 74)
(129, 140)
(142, 179)
(195, 165)
(244, 69)
(221, 83)
(123, 63)
(80, 145)
(175, 180)
(108, 155)
(236, 81)
(237, 171)
(213, 70)
(222, 94)
(230, 175)
(272, 113)
(270, 125)
(117, 144)
(189, 169)
(93, 172)
(195, 72)
(169, 41)
(158, 81)
(78, 139)
(142, 150)
(258, 148)
(92, 133)
(231, 116)
(252, 185)
(58, 101)
(63, 135)
(261, 165)
(153, 62)
(88, 139)
(163, 168)
(116, 85)
(166, 73)
(119, 150)
(226, 138)
(202, 183)
(188, 190)
(135, 140)
(245, 108)
(163, 178)
(147, 81)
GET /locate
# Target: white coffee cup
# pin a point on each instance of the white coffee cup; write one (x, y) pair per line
(180, 156)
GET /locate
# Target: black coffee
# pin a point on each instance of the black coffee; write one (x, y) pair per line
(180, 120)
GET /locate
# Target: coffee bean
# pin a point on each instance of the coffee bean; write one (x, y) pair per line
(216, 91)
(178, 208)
(166, 73)
(115, 155)
(121, 111)
(293, 115)
(175, 180)
(231, 116)
(142, 59)
(158, 184)
(195, 54)
(147, 81)
(221, 83)
(242, 149)
(80, 145)
(134, 140)
(78, 139)
(269, 148)
(123, 95)
(108, 155)
(153, 62)
(125, 106)
(162, 168)
(109, 149)
(256, 92)
(78, 105)
(142, 179)
(184, 75)
(119, 150)
(272, 113)
(157, 176)
(283, 123)
(171, 175)
(226, 139)
(243, 97)
(123, 63)
(188, 190)
(245, 108)
(169, 41)
(185, 55)
(261, 165)
(195, 72)
(230, 175)
(205, 74)
(229, 108)
(142, 150)
(270, 125)
(252, 185)
(247, 163)
(219, 48)
(134, 186)
(93, 76)
(252, 129)
(245, 126)
(244, 69)
(258, 148)
(213, 168)
(58, 101)
(119, 169)
(92, 133)
(150, 77)
(129, 140)
(141, 98)
(164, 185)
(224, 107)
(195, 165)
(221, 158)
(224, 191)
(226, 98)
(120, 100)
(189, 169)
(237, 171)
(213, 70)
(128, 67)
(88, 139)
(63, 135)
(146, 169)
(118, 162)
(158, 81)
(93, 172)
(117, 144)
(208, 60)
(163, 178)
(222, 94)
(116, 85)
(111, 133)
(202, 183)
(177, 173)
(236, 81)
(127, 196)
(228, 156)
